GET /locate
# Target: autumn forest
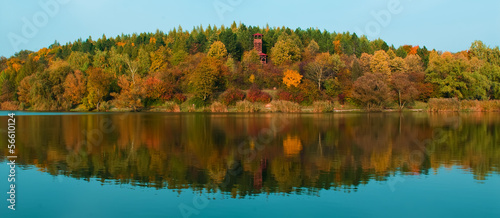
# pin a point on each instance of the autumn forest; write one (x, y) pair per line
(216, 67)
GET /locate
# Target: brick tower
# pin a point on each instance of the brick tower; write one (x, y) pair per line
(257, 45)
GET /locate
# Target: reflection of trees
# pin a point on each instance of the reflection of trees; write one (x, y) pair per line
(287, 173)
(292, 145)
(313, 152)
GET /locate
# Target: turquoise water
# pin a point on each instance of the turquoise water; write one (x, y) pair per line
(221, 165)
(450, 193)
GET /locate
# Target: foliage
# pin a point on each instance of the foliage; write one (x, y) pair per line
(9, 106)
(291, 78)
(311, 50)
(285, 106)
(323, 66)
(371, 91)
(333, 87)
(98, 85)
(379, 64)
(218, 107)
(201, 63)
(130, 95)
(179, 98)
(480, 106)
(257, 95)
(323, 106)
(207, 78)
(248, 107)
(75, 87)
(79, 60)
(231, 96)
(404, 90)
(154, 89)
(295, 96)
(217, 50)
(171, 107)
(444, 104)
(285, 52)
(309, 91)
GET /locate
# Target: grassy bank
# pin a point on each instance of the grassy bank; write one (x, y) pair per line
(434, 105)
(455, 105)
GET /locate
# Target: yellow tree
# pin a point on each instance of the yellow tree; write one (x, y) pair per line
(159, 59)
(25, 89)
(217, 50)
(398, 65)
(379, 64)
(364, 62)
(291, 78)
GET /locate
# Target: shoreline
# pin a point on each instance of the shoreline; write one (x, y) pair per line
(279, 106)
(305, 111)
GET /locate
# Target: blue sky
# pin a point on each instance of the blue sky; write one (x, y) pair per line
(447, 25)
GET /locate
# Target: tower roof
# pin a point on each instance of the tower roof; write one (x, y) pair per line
(257, 34)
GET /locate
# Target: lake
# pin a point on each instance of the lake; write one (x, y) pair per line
(254, 165)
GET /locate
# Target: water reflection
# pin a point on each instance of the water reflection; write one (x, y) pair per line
(249, 154)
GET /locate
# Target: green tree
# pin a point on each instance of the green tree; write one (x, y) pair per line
(447, 74)
(230, 40)
(207, 78)
(98, 85)
(285, 51)
(79, 60)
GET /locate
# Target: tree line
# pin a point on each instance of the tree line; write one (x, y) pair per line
(211, 64)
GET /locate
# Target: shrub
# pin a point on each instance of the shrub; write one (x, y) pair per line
(257, 95)
(231, 96)
(218, 107)
(9, 106)
(248, 107)
(297, 97)
(171, 107)
(341, 98)
(285, 106)
(475, 105)
(197, 102)
(444, 104)
(308, 93)
(179, 98)
(323, 106)
(104, 106)
(168, 106)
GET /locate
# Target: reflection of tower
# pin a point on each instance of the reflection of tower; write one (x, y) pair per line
(257, 45)
(257, 178)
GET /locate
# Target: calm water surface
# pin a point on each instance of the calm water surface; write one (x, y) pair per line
(254, 165)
